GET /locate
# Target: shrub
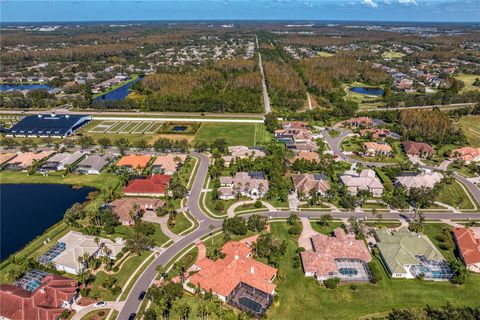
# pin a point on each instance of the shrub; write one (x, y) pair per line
(257, 204)
(376, 273)
(295, 229)
(331, 283)
(300, 249)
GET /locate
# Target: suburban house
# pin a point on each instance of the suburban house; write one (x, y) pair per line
(37, 296)
(124, 208)
(306, 182)
(4, 157)
(295, 125)
(241, 152)
(153, 186)
(468, 244)
(237, 278)
(296, 139)
(48, 125)
(247, 184)
(340, 256)
(419, 149)
(24, 160)
(467, 154)
(307, 156)
(378, 133)
(64, 255)
(373, 149)
(168, 164)
(364, 122)
(61, 161)
(365, 180)
(422, 180)
(409, 255)
(134, 162)
(93, 164)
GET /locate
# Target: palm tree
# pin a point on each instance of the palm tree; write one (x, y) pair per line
(13, 274)
(211, 227)
(97, 241)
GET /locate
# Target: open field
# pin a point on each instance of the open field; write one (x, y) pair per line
(470, 126)
(234, 133)
(455, 196)
(364, 101)
(300, 297)
(122, 127)
(325, 54)
(392, 55)
(468, 80)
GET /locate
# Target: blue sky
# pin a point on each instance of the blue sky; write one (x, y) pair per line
(118, 10)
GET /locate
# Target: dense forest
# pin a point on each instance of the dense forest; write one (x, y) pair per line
(230, 86)
(287, 90)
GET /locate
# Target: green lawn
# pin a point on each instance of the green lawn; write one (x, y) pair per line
(454, 195)
(245, 134)
(99, 314)
(392, 55)
(470, 126)
(300, 297)
(434, 232)
(468, 80)
(96, 181)
(127, 269)
(123, 231)
(182, 223)
(325, 230)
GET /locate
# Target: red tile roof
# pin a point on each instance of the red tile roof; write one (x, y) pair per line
(155, 184)
(42, 304)
(468, 245)
(321, 261)
(223, 275)
(417, 148)
(134, 161)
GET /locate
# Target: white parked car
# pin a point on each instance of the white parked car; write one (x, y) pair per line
(99, 304)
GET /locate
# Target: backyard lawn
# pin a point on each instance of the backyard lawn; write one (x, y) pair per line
(454, 195)
(300, 297)
(470, 126)
(245, 134)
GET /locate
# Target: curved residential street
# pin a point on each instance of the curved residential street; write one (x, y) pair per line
(132, 303)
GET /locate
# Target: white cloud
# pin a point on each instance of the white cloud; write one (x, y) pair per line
(370, 3)
(407, 1)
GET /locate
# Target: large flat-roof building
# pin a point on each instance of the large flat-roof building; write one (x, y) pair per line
(48, 125)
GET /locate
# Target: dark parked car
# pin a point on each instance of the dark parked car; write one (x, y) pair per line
(142, 295)
(132, 316)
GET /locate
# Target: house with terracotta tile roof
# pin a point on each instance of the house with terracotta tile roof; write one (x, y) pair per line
(306, 182)
(296, 139)
(467, 154)
(468, 244)
(168, 163)
(247, 184)
(366, 180)
(124, 208)
(340, 256)
(153, 186)
(241, 152)
(364, 122)
(420, 149)
(373, 149)
(295, 125)
(134, 162)
(378, 133)
(307, 156)
(23, 160)
(4, 157)
(46, 302)
(237, 278)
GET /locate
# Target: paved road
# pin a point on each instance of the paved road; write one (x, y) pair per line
(132, 303)
(441, 106)
(144, 281)
(216, 120)
(266, 98)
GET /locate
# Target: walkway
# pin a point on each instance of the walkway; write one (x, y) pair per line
(307, 232)
(231, 209)
(441, 204)
(81, 311)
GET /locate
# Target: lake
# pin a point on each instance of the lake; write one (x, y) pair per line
(368, 91)
(27, 210)
(23, 86)
(118, 94)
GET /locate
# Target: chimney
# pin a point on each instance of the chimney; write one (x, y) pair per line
(53, 114)
(252, 270)
(236, 257)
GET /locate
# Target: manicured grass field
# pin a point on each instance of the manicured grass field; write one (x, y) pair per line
(468, 79)
(123, 231)
(300, 297)
(470, 126)
(325, 54)
(392, 55)
(182, 223)
(454, 195)
(325, 230)
(246, 134)
(99, 314)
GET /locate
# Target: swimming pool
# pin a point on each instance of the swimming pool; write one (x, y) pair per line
(348, 271)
